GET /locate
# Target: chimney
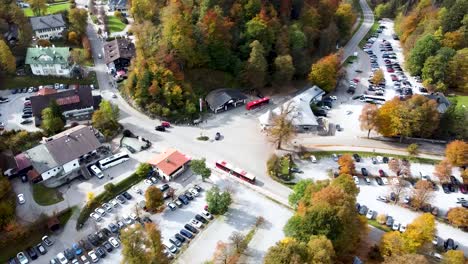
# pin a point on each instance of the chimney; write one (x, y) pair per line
(168, 161)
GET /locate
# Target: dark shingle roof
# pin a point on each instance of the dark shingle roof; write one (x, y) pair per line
(119, 48)
(219, 97)
(45, 22)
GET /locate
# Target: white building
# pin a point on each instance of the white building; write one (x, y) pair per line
(49, 61)
(48, 27)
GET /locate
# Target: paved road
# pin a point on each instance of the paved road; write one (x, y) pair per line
(352, 45)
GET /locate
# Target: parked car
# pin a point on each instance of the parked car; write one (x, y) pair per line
(164, 187)
(188, 195)
(69, 253)
(93, 239)
(445, 187)
(201, 219)
(389, 221)
(47, 241)
(186, 233)
(100, 252)
(179, 237)
(41, 249)
(99, 211)
(22, 258)
(402, 228)
(120, 199)
(61, 258)
(356, 157)
(32, 253)
(175, 242)
(93, 256)
(196, 223)
(370, 214)
(183, 199)
(172, 206)
(374, 160)
(77, 249)
(379, 181)
(21, 199)
(363, 210)
(95, 216)
(382, 199)
(127, 195)
(114, 242)
(381, 173)
(190, 228)
(160, 128)
(207, 215)
(396, 226)
(364, 172)
(356, 180)
(449, 244)
(217, 136)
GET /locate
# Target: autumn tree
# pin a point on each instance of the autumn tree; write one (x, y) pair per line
(106, 119)
(154, 199)
(368, 118)
(299, 190)
(394, 165)
(78, 20)
(419, 233)
(345, 18)
(378, 77)
(320, 250)
(324, 72)
(284, 69)
(413, 149)
(238, 241)
(458, 216)
(7, 59)
(153, 234)
(282, 130)
(7, 202)
(218, 201)
(72, 37)
(255, 71)
(456, 153)
(423, 193)
(53, 120)
(288, 250)
(443, 170)
(38, 7)
(223, 253)
(199, 167)
(347, 165)
(435, 70)
(78, 56)
(392, 243)
(406, 258)
(454, 257)
(456, 68)
(398, 188)
(134, 244)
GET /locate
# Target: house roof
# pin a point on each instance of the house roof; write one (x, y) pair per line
(76, 98)
(72, 143)
(119, 48)
(47, 55)
(22, 161)
(442, 102)
(302, 114)
(46, 22)
(46, 91)
(169, 161)
(40, 158)
(219, 97)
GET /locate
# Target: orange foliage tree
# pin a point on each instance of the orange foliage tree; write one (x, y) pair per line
(346, 163)
(458, 216)
(324, 72)
(457, 153)
(368, 118)
(443, 170)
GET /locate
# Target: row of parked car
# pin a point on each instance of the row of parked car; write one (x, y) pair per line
(32, 252)
(389, 220)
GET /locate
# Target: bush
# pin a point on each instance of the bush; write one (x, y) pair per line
(273, 165)
(203, 138)
(109, 187)
(413, 149)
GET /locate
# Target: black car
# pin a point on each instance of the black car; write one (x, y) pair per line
(41, 249)
(69, 254)
(100, 252)
(180, 238)
(449, 244)
(188, 195)
(201, 218)
(101, 236)
(106, 232)
(385, 159)
(389, 221)
(160, 128)
(107, 246)
(93, 239)
(114, 228)
(85, 245)
(379, 181)
(445, 187)
(127, 195)
(15, 91)
(358, 206)
(26, 116)
(217, 136)
(452, 187)
(26, 121)
(320, 112)
(356, 157)
(190, 228)
(186, 233)
(183, 199)
(147, 220)
(175, 241)
(120, 198)
(364, 172)
(453, 180)
(363, 210)
(164, 187)
(32, 253)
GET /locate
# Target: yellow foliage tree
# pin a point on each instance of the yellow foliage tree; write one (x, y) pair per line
(454, 257)
(324, 72)
(392, 243)
(457, 153)
(458, 216)
(419, 232)
(346, 163)
(7, 60)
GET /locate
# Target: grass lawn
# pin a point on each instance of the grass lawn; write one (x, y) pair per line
(284, 162)
(114, 24)
(13, 82)
(327, 154)
(375, 224)
(46, 196)
(372, 30)
(462, 100)
(51, 9)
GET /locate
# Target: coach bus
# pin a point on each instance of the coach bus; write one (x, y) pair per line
(257, 103)
(113, 160)
(239, 173)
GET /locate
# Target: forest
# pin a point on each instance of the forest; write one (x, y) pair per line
(187, 48)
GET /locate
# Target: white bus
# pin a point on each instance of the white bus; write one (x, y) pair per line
(97, 172)
(113, 160)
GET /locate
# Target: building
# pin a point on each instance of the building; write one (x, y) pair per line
(170, 163)
(76, 103)
(442, 102)
(49, 61)
(118, 5)
(301, 113)
(223, 99)
(48, 27)
(118, 53)
(58, 159)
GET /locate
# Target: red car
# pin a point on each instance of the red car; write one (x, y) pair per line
(165, 124)
(381, 173)
(356, 80)
(394, 77)
(390, 70)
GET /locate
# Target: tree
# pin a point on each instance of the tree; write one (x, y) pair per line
(78, 56)
(78, 19)
(44, 43)
(413, 149)
(238, 240)
(395, 166)
(154, 199)
(53, 120)
(7, 59)
(381, 218)
(347, 166)
(155, 243)
(135, 245)
(456, 67)
(454, 257)
(406, 258)
(105, 119)
(73, 37)
(39, 7)
(424, 48)
(255, 71)
(456, 153)
(392, 243)
(419, 233)
(284, 69)
(435, 70)
(218, 202)
(378, 77)
(222, 253)
(324, 73)
(299, 190)
(422, 193)
(458, 216)
(7, 202)
(398, 189)
(89, 197)
(320, 250)
(199, 167)
(143, 170)
(345, 18)
(282, 130)
(288, 250)
(368, 118)
(443, 170)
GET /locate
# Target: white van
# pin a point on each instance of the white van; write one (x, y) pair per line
(97, 172)
(313, 159)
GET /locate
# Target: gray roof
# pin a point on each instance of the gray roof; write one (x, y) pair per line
(119, 48)
(72, 143)
(45, 22)
(442, 102)
(219, 97)
(41, 159)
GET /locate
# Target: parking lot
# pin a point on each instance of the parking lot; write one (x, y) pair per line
(12, 111)
(370, 192)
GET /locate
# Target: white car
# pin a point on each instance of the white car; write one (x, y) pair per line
(382, 198)
(21, 199)
(384, 180)
(100, 211)
(367, 179)
(379, 159)
(435, 241)
(114, 242)
(170, 247)
(396, 226)
(395, 181)
(56, 86)
(95, 216)
(93, 256)
(61, 258)
(402, 228)
(370, 214)
(107, 206)
(194, 192)
(207, 214)
(114, 202)
(356, 180)
(133, 216)
(127, 220)
(334, 98)
(172, 206)
(22, 258)
(148, 182)
(154, 180)
(137, 190)
(84, 259)
(313, 159)
(196, 223)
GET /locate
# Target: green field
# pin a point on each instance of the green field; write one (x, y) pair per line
(114, 24)
(46, 196)
(51, 9)
(13, 82)
(372, 30)
(462, 100)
